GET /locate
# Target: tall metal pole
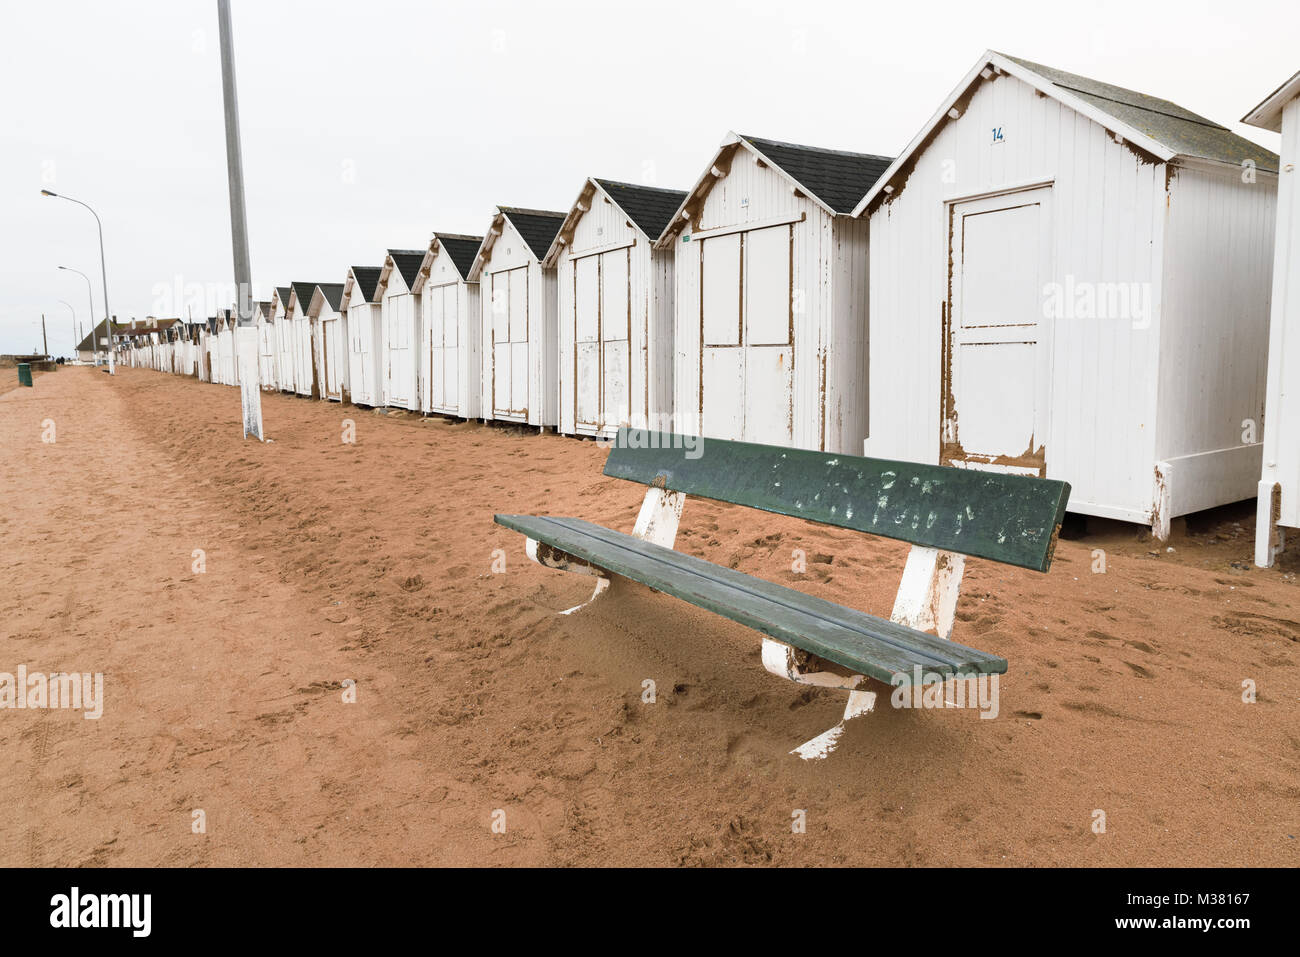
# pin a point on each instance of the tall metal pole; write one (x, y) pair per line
(250, 392)
(103, 269)
(90, 294)
(45, 340)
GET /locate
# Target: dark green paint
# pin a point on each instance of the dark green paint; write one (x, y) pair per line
(1006, 518)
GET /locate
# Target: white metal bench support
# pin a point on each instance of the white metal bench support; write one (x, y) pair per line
(661, 514)
(926, 601)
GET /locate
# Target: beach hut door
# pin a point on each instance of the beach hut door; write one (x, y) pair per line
(510, 342)
(601, 327)
(995, 397)
(746, 368)
(399, 370)
(443, 331)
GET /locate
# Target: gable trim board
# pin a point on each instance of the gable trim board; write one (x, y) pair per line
(1145, 339)
(519, 303)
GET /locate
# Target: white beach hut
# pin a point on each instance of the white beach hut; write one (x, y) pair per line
(264, 316)
(520, 317)
(615, 308)
(360, 303)
(399, 345)
(329, 340)
(1071, 279)
(284, 352)
(1279, 486)
(452, 327)
(771, 299)
(304, 368)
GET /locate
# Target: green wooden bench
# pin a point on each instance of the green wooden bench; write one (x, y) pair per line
(944, 513)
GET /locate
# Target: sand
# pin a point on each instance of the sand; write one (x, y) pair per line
(373, 562)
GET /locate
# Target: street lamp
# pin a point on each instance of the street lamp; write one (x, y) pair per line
(75, 336)
(103, 269)
(90, 293)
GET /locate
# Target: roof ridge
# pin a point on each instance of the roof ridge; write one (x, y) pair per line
(618, 182)
(819, 149)
(532, 212)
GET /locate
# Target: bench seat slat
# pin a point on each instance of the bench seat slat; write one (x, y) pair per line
(853, 639)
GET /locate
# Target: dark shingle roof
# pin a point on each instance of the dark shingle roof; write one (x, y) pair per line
(264, 307)
(304, 291)
(1179, 129)
(837, 178)
(333, 293)
(283, 293)
(537, 227)
(462, 250)
(407, 262)
(649, 207)
(367, 278)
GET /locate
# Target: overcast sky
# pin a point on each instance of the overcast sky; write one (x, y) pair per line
(367, 125)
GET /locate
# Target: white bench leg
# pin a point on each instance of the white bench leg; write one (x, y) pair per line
(551, 557)
(926, 601)
(661, 513)
(784, 662)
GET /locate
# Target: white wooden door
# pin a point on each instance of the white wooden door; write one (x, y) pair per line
(1001, 260)
(266, 354)
(615, 336)
(399, 367)
(284, 336)
(443, 318)
(303, 374)
(747, 359)
(360, 361)
(332, 349)
(586, 344)
(510, 343)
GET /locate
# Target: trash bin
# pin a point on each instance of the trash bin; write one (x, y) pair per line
(24, 373)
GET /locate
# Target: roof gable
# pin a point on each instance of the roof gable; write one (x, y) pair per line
(367, 280)
(833, 179)
(649, 207)
(330, 293)
(536, 228)
(1157, 127)
(1268, 114)
(837, 178)
(301, 293)
(459, 249)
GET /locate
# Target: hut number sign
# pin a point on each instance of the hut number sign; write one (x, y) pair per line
(997, 134)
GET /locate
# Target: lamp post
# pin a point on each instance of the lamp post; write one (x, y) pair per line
(90, 294)
(75, 337)
(103, 269)
(245, 334)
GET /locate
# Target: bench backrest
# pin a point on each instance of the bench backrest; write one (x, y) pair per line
(1006, 518)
